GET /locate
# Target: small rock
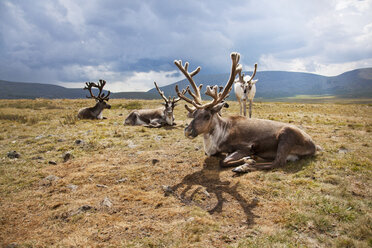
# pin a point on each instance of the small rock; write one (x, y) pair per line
(167, 190)
(85, 208)
(157, 138)
(60, 140)
(106, 202)
(79, 142)
(37, 158)
(343, 150)
(115, 123)
(120, 114)
(52, 162)
(12, 245)
(39, 136)
(205, 192)
(154, 161)
(131, 144)
(191, 219)
(13, 154)
(122, 180)
(101, 186)
(197, 148)
(67, 156)
(52, 178)
(73, 187)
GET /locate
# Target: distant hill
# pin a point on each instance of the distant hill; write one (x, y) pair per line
(278, 84)
(271, 85)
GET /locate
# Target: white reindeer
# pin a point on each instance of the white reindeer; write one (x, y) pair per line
(245, 88)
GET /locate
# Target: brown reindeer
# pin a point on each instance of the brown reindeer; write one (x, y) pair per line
(240, 137)
(154, 117)
(101, 99)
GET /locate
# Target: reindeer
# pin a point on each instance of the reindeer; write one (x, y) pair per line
(239, 137)
(245, 88)
(154, 117)
(101, 99)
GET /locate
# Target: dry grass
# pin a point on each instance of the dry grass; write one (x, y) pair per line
(318, 202)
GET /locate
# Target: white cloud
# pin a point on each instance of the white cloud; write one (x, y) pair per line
(117, 82)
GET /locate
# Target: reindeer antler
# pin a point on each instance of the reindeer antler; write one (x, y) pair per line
(188, 75)
(241, 76)
(213, 91)
(161, 92)
(173, 100)
(254, 73)
(101, 96)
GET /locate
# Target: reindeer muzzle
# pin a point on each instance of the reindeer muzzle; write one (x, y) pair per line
(190, 132)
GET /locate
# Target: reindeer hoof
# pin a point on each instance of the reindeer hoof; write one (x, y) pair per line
(243, 168)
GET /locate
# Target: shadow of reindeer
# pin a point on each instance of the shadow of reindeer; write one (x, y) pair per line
(209, 178)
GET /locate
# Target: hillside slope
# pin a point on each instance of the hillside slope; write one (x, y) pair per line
(271, 85)
(276, 84)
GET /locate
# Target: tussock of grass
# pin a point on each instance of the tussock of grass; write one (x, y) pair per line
(31, 120)
(36, 104)
(132, 105)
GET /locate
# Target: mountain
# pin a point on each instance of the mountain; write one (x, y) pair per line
(271, 84)
(277, 84)
(17, 90)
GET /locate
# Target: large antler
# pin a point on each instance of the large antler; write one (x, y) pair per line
(101, 96)
(188, 75)
(213, 91)
(89, 86)
(160, 92)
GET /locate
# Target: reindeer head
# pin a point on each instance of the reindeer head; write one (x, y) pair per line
(204, 114)
(169, 105)
(246, 82)
(101, 98)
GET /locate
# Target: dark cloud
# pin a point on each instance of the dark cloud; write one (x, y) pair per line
(72, 41)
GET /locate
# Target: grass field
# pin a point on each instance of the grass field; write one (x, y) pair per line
(130, 186)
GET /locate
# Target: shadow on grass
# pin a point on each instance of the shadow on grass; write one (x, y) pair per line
(299, 165)
(209, 177)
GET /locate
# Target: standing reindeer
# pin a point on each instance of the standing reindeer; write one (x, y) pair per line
(237, 136)
(154, 117)
(245, 88)
(101, 99)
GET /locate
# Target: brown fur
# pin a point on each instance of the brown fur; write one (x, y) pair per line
(242, 137)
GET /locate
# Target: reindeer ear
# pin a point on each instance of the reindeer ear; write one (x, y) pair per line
(254, 81)
(217, 108)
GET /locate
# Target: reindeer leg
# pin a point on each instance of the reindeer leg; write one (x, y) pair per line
(240, 105)
(154, 123)
(250, 108)
(235, 158)
(286, 141)
(245, 107)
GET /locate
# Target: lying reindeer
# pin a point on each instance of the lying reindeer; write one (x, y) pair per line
(154, 117)
(96, 111)
(240, 137)
(245, 88)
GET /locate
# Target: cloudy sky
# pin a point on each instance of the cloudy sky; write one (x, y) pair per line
(132, 43)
